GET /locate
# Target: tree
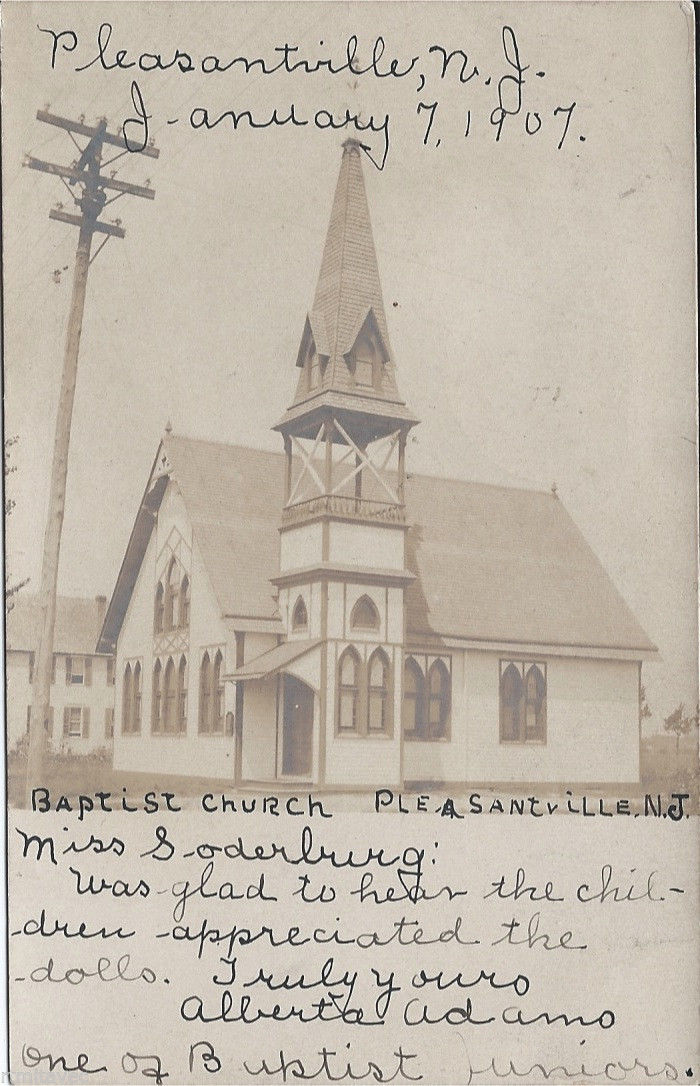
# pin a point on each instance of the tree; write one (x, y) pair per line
(11, 587)
(679, 724)
(644, 710)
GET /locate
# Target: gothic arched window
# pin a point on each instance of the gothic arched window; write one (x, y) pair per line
(136, 698)
(205, 694)
(159, 609)
(439, 698)
(511, 703)
(172, 590)
(535, 704)
(413, 699)
(182, 695)
(378, 692)
(170, 697)
(300, 618)
(185, 601)
(364, 615)
(348, 691)
(126, 699)
(156, 700)
(217, 694)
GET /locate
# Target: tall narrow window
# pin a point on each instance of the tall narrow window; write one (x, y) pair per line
(511, 703)
(182, 695)
(348, 691)
(378, 703)
(300, 618)
(535, 704)
(205, 694)
(364, 615)
(171, 596)
(156, 706)
(159, 609)
(185, 601)
(413, 699)
(136, 698)
(170, 698)
(126, 700)
(438, 700)
(217, 693)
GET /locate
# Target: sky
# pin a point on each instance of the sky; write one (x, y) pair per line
(539, 287)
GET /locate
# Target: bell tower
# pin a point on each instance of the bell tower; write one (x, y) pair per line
(343, 524)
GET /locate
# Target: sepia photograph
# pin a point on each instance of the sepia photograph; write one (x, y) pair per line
(350, 470)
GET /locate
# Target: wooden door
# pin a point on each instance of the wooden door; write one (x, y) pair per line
(297, 727)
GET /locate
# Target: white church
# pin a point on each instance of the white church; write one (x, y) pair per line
(319, 618)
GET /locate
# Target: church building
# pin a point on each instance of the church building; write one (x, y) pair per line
(317, 617)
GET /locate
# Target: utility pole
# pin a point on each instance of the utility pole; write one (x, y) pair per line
(87, 187)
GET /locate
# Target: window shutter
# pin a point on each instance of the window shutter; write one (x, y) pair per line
(50, 727)
(88, 671)
(29, 716)
(86, 723)
(69, 669)
(31, 667)
(53, 668)
(66, 722)
(229, 723)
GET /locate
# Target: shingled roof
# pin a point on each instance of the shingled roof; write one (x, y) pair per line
(348, 294)
(492, 564)
(78, 624)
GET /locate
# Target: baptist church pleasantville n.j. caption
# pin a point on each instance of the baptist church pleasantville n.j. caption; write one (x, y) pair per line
(317, 616)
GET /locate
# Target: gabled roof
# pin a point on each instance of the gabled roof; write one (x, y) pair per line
(273, 660)
(491, 564)
(348, 294)
(78, 623)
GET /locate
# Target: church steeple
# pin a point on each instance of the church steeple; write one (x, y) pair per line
(345, 359)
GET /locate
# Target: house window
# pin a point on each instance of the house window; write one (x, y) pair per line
(523, 701)
(413, 700)
(427, 701)
(218, 695)
(378, 703)
(205, 694)
(157, 698)
(348, 691)
(211, 695)
(76, 722)
(300, 618)
(109, 722)
(136, 698)
(364, 615)
(31, 667)
(126, 700)
(172, 591)
(78, 671)
(185, 601)
(170, 723)
(159, 609)
(366, 356)
(110, 671)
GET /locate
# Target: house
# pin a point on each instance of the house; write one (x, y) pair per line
(318, 616)
(81, 712)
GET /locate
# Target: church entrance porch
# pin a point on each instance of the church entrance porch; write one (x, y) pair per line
(297, 727)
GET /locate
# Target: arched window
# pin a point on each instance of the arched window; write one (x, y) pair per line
(348, 691)
(185, 601)
(182, 695)
(439, 697)
(364, 615)
(413, 700)
(136, 698)
(535, 704)
(159, 609)
(511, 703)
(217, 694)
(378, 692)
(205, 694)
(300, 618)
(172, 589)
(126, 700)
(156, 699)
(170, 698)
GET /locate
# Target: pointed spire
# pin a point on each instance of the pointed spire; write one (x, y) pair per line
(348, 302)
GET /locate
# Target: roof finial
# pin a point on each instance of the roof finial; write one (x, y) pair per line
(168, 427)
(351, 144)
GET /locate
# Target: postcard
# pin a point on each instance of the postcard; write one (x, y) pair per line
(351, 616)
